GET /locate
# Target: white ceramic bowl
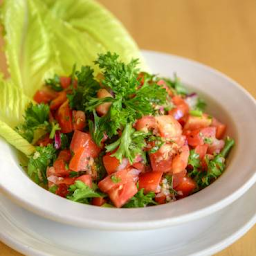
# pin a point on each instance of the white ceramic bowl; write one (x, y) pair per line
(226, 100)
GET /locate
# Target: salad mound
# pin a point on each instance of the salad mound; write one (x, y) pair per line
(122, 138)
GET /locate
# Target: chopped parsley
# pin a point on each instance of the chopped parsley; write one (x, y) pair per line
(54, 83)
(36, 123)
(79, 192)
(141, 200)
(115, 179)
(39, 161)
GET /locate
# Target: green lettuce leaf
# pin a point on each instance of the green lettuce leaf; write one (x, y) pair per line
(15, 139)
(13, 103)
(12, 107)
(47, 37)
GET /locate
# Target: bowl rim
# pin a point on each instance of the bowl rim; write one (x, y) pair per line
(136, 218)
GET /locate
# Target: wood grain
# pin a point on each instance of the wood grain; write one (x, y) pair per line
(219, 33)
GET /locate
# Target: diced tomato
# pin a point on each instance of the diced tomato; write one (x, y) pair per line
(44, 95)
(216, 146)
(118, 178)
(160, 198)
(195, 122)
(65, 155)
(58, 101)
(150, 181)
(98, 201)
(197, 137)
(168, 127)
(220, 128)
(64, 118)
(186, 187)
(65, 81)
(180, 161)
(120, 194)
(157, 165)
(102, 109)
(178, 177)
(139, 166)
(111, 163)
(66, 180)
(78, 120)
(84, 140)
(80, 161)
(146, 123)
(86, 179)
(181, 108)
(43, 142)
(62, 190)
(61, 168)
(201, 150)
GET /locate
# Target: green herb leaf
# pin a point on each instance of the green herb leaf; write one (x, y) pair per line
(115, 179)
(130, 144)
(196, 112)
(54, 83)
(141, 200)
(39, 161)
(79, 192)
(35, 123)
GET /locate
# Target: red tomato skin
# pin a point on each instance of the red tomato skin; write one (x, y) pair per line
(79, 161)
(119, 195)
(168, 127)
(102, 109)
(201, 150)
(98, 201)
(44, 95)
(186, 186)
(196, 137)
(86, 179)
(66, 180)
(150, 181)
(123, 176)
(64, 118)
(65, 81)
(58, 101)
(216, 146)
(220, 128)
(178, 177)
(79, 120)
(145, 123)
(60, 167)
(111, 163)
(180, 161)
(181, 110)
(43, 142)
(164, 165)
(84, 140)
(62, 190)
(160, 198)
(65, 155)
(195, 122)
(139, 166)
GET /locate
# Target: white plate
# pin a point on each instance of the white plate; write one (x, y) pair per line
(33, 235)
(226, 100)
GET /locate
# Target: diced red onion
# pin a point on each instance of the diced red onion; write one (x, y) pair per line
(53, 179)
(57, 140)
(123, 164)
(191, 100)
(193, 94)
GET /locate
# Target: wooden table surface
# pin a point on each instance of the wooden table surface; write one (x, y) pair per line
(219, 33)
